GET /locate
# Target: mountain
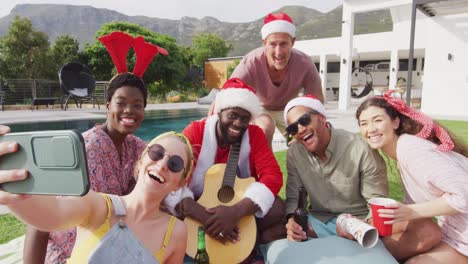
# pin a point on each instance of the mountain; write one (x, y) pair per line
(83, 21)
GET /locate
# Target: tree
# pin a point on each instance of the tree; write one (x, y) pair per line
(23, 51)
(166, 71)
(232, 67)
(64, 50)
(208, 46)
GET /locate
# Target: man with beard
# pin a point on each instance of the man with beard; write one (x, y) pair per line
(340, 173)
(336, 167)
(278, 72)
(211, 138)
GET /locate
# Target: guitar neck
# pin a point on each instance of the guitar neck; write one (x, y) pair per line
(231, 166)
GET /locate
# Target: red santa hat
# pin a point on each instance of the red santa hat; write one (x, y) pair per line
(281, 22)
(236, 93)
(307, 100)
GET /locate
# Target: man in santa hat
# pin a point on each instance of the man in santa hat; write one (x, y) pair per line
(235, 106)
(278, 72)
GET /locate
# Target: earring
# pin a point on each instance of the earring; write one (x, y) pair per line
(173, 193)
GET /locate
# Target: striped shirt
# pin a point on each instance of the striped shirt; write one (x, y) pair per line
(428, 174)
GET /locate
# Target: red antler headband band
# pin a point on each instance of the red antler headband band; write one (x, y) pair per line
(446, 142)
(119, 43)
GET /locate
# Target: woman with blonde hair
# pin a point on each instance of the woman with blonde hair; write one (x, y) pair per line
(121, 229)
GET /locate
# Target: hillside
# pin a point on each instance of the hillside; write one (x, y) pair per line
(83, 21)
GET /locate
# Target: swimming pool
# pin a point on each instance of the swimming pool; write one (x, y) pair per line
(155, 123)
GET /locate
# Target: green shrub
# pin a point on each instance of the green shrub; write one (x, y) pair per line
(230, 69)
(158, 90)
(183, 97)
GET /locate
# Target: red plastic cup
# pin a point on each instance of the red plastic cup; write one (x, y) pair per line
(376, 204)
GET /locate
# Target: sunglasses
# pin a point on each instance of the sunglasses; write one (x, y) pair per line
(304, 120)
(175, 163)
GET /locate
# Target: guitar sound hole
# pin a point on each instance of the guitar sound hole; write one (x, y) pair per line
(225, 194)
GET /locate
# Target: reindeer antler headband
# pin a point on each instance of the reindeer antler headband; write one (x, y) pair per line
(119, 43)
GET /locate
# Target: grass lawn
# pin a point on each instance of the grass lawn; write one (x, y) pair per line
(11, 228)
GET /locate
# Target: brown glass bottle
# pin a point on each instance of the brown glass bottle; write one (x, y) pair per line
(300, 214)
(202, 256)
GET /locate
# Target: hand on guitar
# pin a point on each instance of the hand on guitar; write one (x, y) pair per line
(222, 223)
(190, 208)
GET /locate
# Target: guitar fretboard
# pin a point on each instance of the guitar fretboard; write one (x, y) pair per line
(231, 166)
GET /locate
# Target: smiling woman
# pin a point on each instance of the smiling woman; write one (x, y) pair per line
(111, 148)
(433, 167)
(133, 222)
(112, 152)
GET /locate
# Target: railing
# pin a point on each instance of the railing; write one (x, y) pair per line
(23, 91)
(101, 91)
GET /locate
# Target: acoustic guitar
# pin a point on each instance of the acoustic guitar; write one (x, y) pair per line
(223, 187)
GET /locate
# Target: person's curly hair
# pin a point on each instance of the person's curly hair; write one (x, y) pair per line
(126, 79)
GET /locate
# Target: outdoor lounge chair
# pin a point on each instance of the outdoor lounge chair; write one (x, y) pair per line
(77, 83)
(209, 98)
(367, 87)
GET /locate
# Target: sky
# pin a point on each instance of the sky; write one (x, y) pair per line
(223, 10)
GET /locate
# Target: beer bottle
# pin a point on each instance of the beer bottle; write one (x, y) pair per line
(300, 214)
(202, 256)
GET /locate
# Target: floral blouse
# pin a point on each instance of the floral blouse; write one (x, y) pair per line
(108, 173)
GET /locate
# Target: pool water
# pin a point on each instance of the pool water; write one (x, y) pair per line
(155, 123)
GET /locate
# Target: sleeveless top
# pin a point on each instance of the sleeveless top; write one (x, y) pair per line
(114, 244)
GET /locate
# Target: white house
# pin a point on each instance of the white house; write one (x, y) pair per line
(440, 38)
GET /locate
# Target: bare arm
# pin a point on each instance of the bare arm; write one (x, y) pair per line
(35, 246)
(46, 212)
(312, 83)
(57, 213)
(402, 212)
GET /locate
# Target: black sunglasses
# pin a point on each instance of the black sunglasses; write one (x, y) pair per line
(157, 152)
(304, 120)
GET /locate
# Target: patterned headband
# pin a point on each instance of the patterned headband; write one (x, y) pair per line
(446, 143)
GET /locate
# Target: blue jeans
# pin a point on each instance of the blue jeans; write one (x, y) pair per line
(323, 229)
(328, 248)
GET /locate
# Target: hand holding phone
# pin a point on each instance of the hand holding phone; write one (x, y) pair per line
(55, 160)
(10, 175)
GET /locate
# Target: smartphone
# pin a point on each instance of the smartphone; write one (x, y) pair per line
(56, 161)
